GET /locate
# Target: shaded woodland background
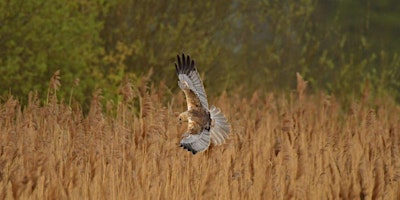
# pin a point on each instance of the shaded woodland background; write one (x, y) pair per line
(342, 47)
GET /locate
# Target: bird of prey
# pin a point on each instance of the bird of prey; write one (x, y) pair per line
(204, 124)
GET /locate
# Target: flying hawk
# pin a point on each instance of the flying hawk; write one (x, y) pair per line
(204, 124)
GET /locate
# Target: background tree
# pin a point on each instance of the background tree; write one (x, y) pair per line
(38, 37)
(339, 46)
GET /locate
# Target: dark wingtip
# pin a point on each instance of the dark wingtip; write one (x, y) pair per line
(185, 64)
(177, 69)
(179, 63)
(188, 147)
(188, 61)
(183, 60)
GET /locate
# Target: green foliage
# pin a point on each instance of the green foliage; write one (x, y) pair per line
(156, 32)
(256, 45)
(239, 46)
(39, 37)
(363, 46)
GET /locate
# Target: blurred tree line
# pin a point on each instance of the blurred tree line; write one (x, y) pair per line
(340, 46)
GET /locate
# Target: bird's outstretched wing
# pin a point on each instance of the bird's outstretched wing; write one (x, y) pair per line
(189, 79)
(220, 127)
(196, 143)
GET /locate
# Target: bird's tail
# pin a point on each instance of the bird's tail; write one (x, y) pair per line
(220, 127)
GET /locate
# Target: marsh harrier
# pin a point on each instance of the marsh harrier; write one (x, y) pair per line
(204, 124)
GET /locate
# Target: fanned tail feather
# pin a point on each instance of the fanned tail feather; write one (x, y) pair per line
(220, 128)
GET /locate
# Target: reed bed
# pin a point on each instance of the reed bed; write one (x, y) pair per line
(282, 146)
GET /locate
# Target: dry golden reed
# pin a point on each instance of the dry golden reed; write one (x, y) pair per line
(295, 146)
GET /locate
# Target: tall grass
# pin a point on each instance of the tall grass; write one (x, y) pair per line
(294, 146)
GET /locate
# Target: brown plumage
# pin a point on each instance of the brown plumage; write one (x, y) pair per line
(200, 118)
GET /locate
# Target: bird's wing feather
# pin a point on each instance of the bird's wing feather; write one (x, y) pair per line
(220, 127)
(192, 101)
(196, 143)
(189, 79)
